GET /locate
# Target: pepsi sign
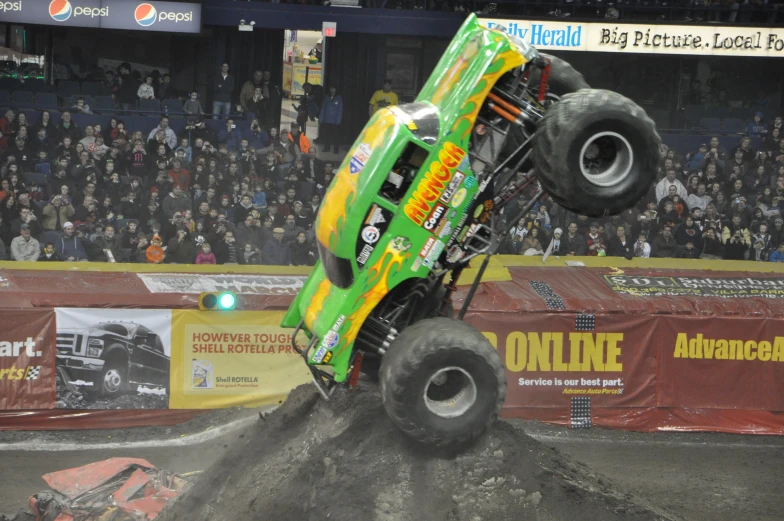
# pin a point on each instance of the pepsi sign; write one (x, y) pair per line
(106, 14)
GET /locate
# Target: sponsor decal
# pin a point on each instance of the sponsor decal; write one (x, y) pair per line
(60, 10)
(329, 341)
(433, 254)
(458, 198)
(364, 255)
(446, 229)
(370, 234)
(416, 264)
(426, 248)
(723, 287)
(26, 348)
(478, 211)
(453, 184)
(464, 164)
(10, 6)
(436, 217)
(458, 229)
(435, 181)
(327, 357)
(376, 216)
(469, 182)
(360, 158)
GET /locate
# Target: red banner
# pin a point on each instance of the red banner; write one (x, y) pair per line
(713, 363)
(27, 373)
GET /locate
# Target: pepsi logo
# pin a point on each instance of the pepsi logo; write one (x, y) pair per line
(145, 15)
(60, 10)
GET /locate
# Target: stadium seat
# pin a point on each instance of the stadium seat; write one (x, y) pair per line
(82, 120)
(32, 117)
(733, 125)
(91, 88)
(174, 106)
(46, 100)
(35, 85)
(56, 117)
(22, 99)
(88, 100)
(149, 107)
(66, 89)
(5, 98)
(10, 84)
(177, 124)
(48, 236)
(103, 104)
(710, 123)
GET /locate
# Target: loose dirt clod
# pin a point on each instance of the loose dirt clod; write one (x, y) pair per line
(344, 459)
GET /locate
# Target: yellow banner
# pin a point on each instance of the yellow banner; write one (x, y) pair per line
(233, 358)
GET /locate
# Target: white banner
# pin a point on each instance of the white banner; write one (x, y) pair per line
(113, 358)
(717, 40)
(240, 284)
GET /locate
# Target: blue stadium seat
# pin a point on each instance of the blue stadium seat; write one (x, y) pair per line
(35, 85)
(149, 107)
(56, 117)
(149, 123)
(177, 125)
(22, 99)
(174, 106)
(5, 98)
(91, 88)
(10, 84)
(82, 120)
(733, 125)
(32, 117)
(66, 89)
(46, 100)
(710, 123)
(103, 104)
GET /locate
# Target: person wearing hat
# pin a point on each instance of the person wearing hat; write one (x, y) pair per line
(275, 252)
(382, 98)
(778, 255)
(69, 247)
(25, 247)
(756, 127)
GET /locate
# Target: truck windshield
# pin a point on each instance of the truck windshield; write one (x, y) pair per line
(338, 270)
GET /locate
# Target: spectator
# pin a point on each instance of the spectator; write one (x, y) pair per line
(170, 138)
(226, 250)
(778, 255)
(230, 135)
(736, 247)
(223, 90)
(58, 211)
(25, 247)
(689, 251)
(176, 201)
(251, 255)
(155, 253)
(247, 92)
(26, 218)
(711, 245)
(108, 247)
(382, 98)
(641, 248)
(205, 256)
(181, 249)
(663, 186)
(664, 245)
(127, 91)
(276, 253)
(6, 129)
(594, 241)
(620, 245)
(302, 253)
(69, 247)
(145, 90)
(179, 176)
(193, 108)
(330, 118)
(47, 255)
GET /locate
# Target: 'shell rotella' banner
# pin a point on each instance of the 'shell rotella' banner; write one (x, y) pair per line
(27, 372)
(238, 358)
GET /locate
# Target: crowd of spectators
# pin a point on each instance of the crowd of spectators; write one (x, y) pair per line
(116, 194)
(724, 200)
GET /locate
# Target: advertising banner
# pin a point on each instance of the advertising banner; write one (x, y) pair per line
(172, 17)
(228, 359)
(240, 284)
(762, 286)
(113, 358)
(714, 363)
(552, 358)
(27, 374)
(716, 40)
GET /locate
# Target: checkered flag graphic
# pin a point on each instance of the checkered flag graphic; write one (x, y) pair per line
(33, 372)
(581, 412)
(585, 323)
(551, 298)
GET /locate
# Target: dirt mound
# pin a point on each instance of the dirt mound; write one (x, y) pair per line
(344, 459)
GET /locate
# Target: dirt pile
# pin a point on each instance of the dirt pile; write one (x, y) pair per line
(344, 459)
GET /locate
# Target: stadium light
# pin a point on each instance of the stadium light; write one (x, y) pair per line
(221, 301)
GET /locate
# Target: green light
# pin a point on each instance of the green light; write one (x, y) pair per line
(227, 301)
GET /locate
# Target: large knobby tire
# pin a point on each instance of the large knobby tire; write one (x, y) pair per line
(596, 152)
(442, 382)
(563, 79)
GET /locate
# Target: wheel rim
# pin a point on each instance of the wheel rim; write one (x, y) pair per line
(606, 159)
(450, 392)
(112, 380)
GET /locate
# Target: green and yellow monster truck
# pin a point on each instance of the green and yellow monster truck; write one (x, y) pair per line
(420, 194)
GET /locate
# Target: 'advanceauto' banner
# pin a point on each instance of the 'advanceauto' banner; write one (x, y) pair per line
(27, 372)
(170, 17)
(719, 40)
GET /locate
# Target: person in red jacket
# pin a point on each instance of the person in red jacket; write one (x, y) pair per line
(594, 240)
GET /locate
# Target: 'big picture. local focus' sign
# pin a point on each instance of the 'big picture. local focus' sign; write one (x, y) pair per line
(105, 14)
(652, 39)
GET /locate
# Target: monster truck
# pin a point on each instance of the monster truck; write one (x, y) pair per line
(420, 195)
(114, 356)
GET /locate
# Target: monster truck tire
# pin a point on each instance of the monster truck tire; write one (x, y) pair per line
(442, 382)
(113, 380)
(596, 152)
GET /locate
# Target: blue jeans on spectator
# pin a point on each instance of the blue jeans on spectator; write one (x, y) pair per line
(220, 107)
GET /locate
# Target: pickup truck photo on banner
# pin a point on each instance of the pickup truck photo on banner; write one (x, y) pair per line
(237, 358)
(27, 375)
(113, 358)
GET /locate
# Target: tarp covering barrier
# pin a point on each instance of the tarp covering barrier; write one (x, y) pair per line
(644, 346)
